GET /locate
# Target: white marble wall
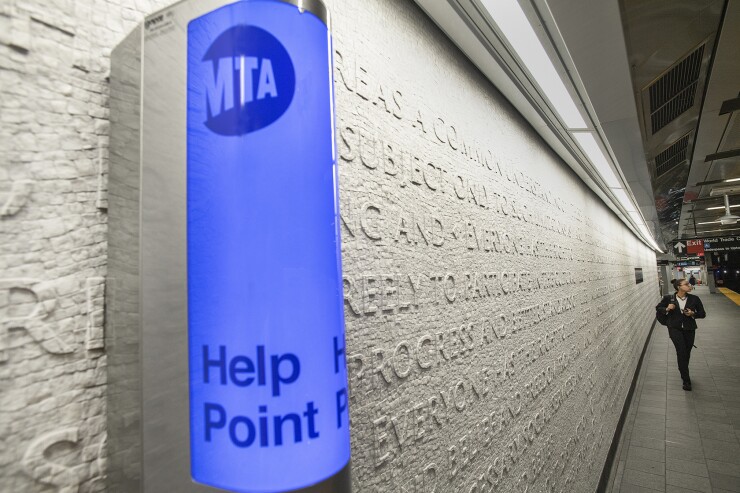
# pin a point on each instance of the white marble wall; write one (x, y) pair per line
(493, 319)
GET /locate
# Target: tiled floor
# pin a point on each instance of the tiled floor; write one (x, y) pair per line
(678, 441)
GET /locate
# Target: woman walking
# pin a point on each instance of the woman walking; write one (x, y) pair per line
(682, 310)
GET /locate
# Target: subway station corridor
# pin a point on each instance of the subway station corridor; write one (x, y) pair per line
(352, 246)
(678, 441)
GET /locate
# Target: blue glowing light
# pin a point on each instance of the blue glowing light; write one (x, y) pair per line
(268, 384)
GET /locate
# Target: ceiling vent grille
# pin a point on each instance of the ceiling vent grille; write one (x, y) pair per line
(675, 91)
(672, 156)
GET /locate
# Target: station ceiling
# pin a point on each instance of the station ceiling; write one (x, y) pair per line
(684, 68)
(659, 79)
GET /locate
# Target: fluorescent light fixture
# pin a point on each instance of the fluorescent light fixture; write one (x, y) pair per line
(624, 199)
(721, 207)
(720, 230)
(642, 227)
(732, 179)
(708, 222)
(636, 217)
(514, 25)
(588, 144)
(649, 237)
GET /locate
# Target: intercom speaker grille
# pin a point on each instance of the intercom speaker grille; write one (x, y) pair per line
(675, 91)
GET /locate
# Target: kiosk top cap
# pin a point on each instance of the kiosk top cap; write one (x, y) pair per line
(316, 7)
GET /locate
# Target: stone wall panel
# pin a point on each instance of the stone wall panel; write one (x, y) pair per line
(54, 68)
(493, 319)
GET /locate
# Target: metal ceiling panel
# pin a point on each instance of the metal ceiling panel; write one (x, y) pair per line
(598, 51)
(672, 156)
(722, 170)
(731, 139)
(716, 132)
(674, 92)
(670, 46)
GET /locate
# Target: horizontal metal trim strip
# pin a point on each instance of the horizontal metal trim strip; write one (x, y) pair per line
(722, 155)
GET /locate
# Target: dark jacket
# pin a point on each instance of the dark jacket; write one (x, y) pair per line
(676, 319)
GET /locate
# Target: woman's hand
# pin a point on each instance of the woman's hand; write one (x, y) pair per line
(689, 312)
(670, 307)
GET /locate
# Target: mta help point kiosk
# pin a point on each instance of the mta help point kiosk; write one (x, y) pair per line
(225, 323)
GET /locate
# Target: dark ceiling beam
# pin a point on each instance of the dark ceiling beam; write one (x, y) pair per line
(710, 182)
(730, 105)
(722, 155)
(704, 199)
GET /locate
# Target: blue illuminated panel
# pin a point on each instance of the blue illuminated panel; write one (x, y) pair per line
(268, 394)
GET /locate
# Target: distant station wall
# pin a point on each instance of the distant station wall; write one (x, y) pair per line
(493, 315)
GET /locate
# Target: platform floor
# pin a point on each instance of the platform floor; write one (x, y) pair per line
(678, 441)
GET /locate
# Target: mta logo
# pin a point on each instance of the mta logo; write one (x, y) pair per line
(249, 81)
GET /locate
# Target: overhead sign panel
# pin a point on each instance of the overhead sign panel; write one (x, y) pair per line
(722, 244)
(268, 383)
(695, 247)
(688, 263)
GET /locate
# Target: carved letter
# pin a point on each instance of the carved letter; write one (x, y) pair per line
(371, 227)
(439, 129)
(349, 293)
(95, 289)
(346, 74)
(402, 372)
(36, 465)
(348, 137)
(380, 440)
(35, 323)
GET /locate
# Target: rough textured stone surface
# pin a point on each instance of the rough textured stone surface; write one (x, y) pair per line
(493, 320)
(54, 67)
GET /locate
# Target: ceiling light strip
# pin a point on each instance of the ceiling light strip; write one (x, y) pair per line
(587, 143)
(514, 25)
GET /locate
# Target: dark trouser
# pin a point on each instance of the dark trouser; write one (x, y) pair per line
(683, 340)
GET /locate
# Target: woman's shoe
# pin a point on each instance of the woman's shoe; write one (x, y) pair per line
(687, 385)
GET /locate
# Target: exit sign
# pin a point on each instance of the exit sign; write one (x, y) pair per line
(695, 247)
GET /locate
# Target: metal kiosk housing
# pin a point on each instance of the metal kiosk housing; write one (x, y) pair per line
(149, 447)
